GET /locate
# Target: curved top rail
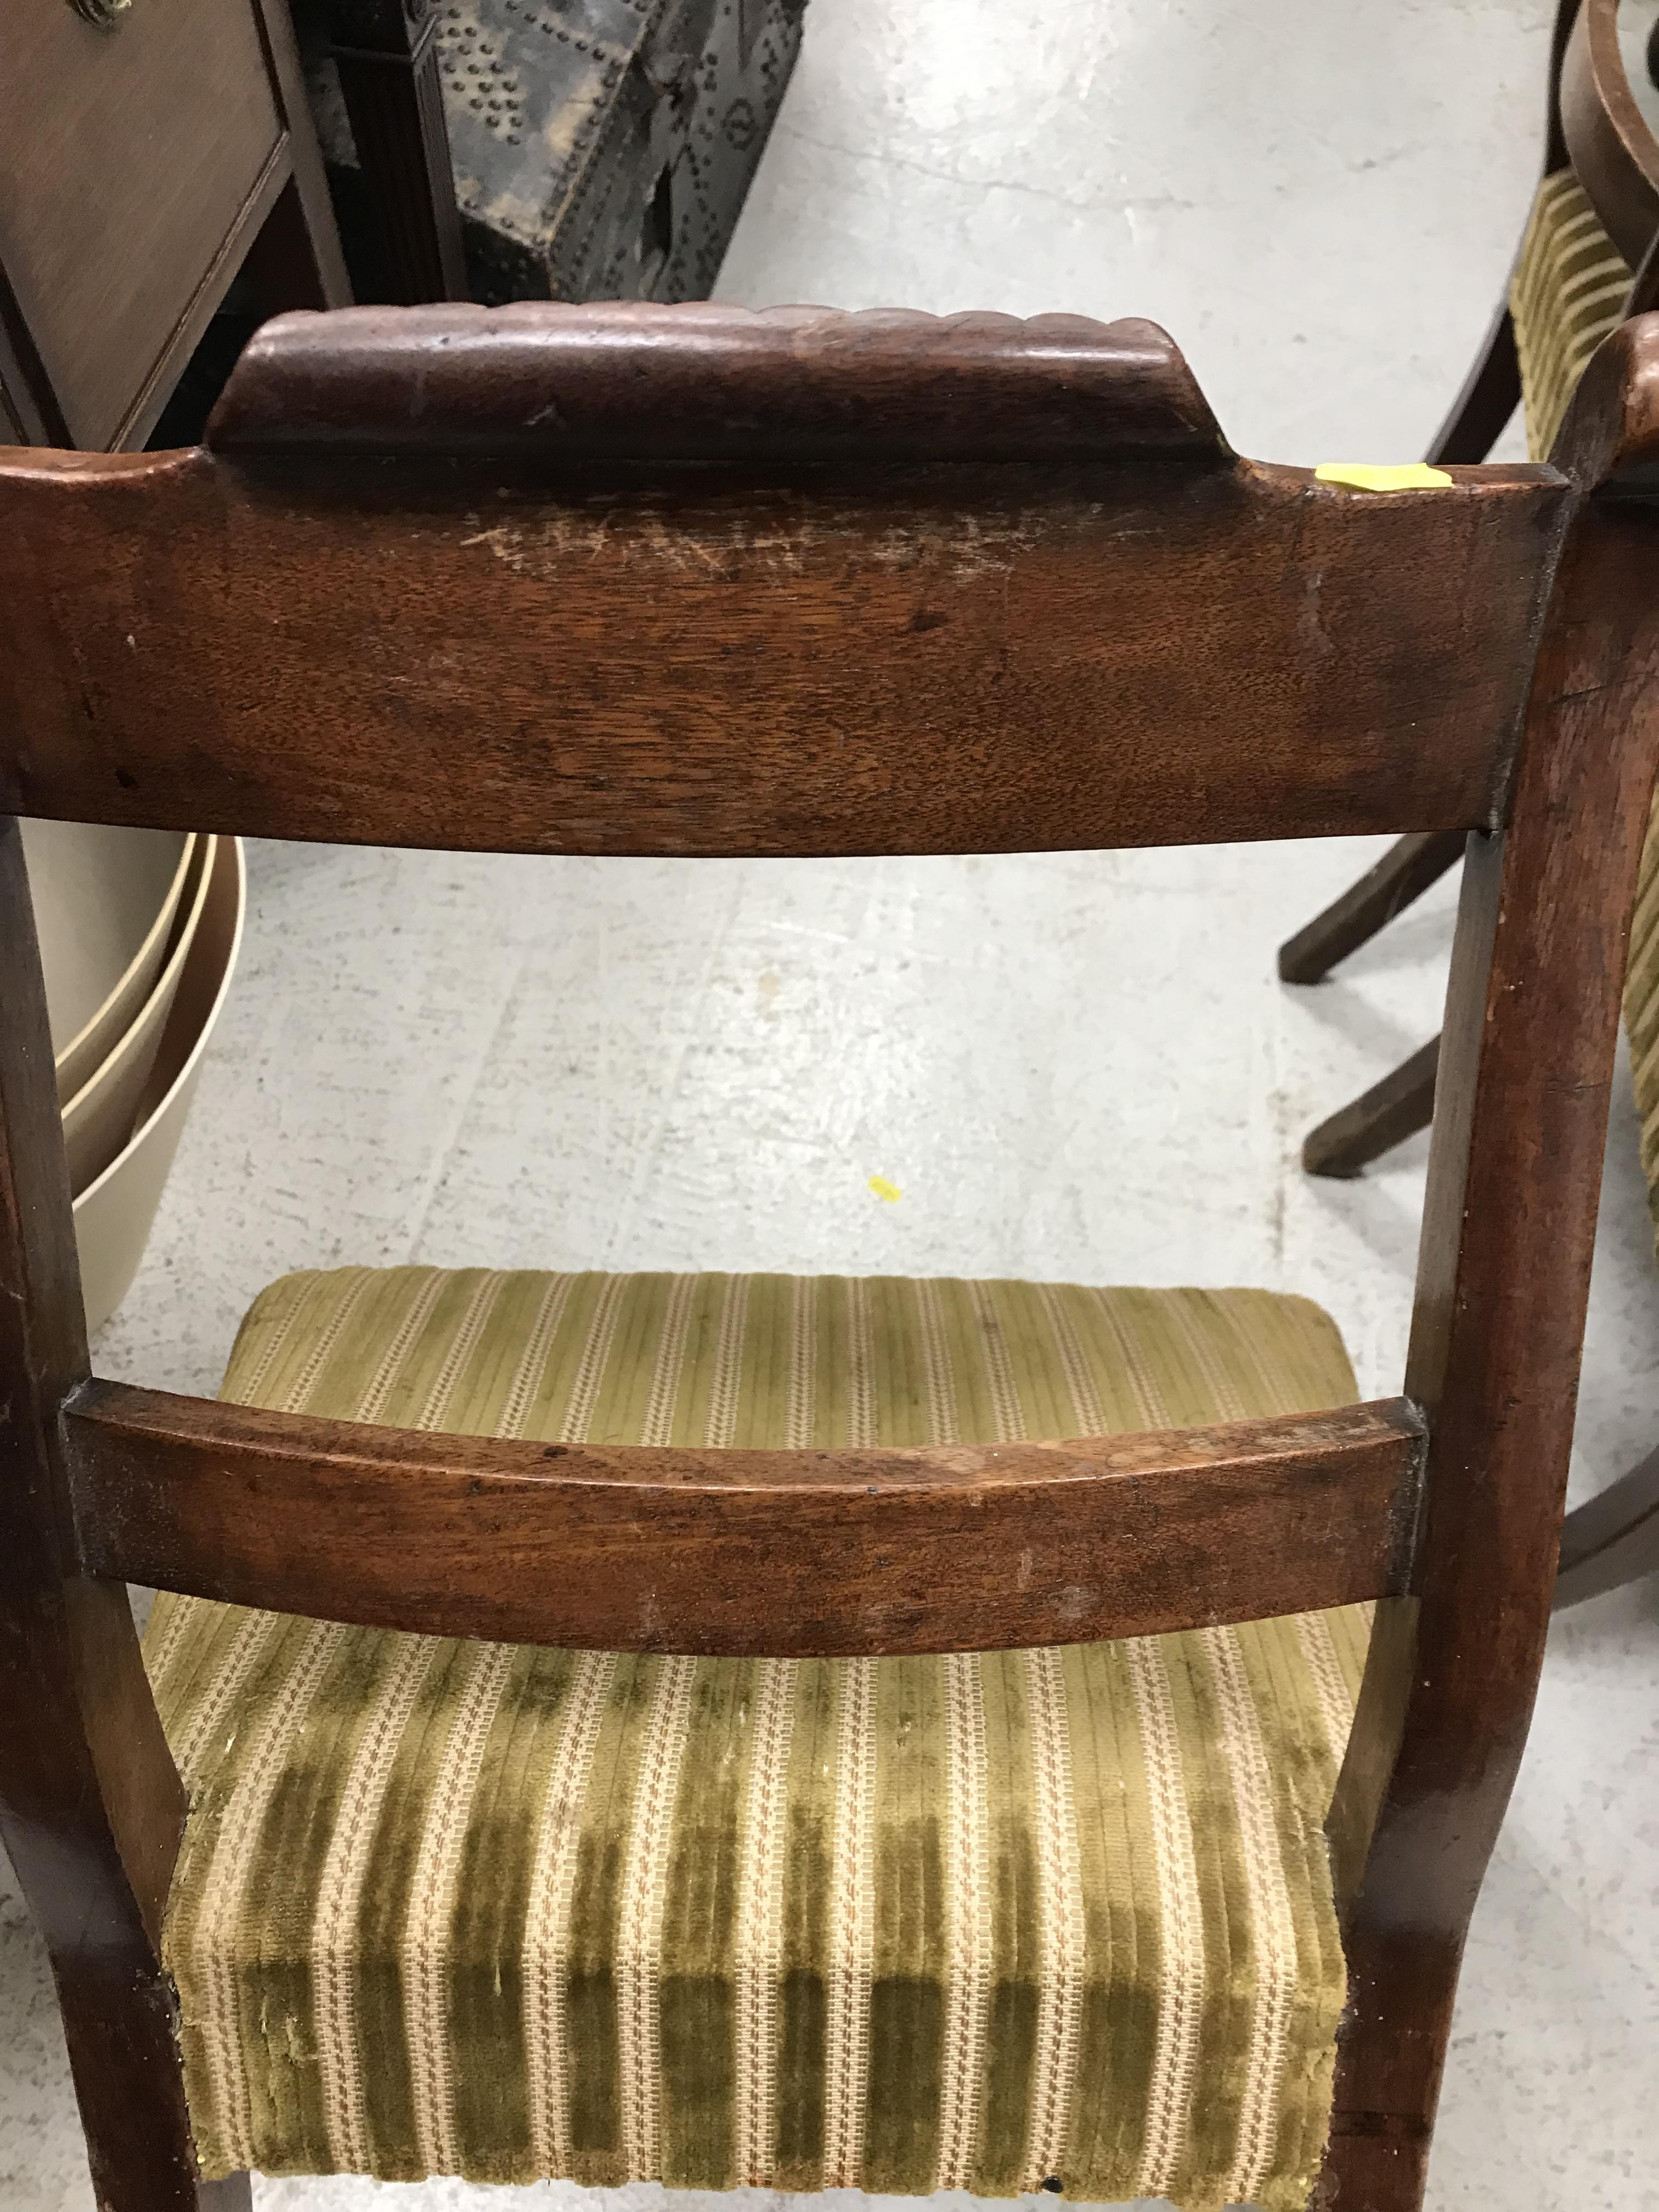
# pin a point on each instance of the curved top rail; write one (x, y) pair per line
(628, 381)
(1612, 148)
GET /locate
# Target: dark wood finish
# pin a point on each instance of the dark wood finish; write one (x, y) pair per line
(634, 381)
(1079, 670)
(1613, 1539)
(1514, 1169)
(642, 1550)
(1608, 141)
(1644, 285)
(90, 1808)
(1555, 143)
(387, 55)
(763, 658)
(1378, 1120)
(1404, 874)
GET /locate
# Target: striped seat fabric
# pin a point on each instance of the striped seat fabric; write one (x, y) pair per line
(1567, 293)
(979, 1921)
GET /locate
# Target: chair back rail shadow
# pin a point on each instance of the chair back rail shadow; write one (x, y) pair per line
(699, 582)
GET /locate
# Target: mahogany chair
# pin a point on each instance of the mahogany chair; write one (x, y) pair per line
(804, 1731)
(1589, 261)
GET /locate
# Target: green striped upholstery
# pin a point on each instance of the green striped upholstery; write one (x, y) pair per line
(1568, 292)
(973, 1922)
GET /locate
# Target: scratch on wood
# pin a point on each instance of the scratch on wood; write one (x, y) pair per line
(725, 546)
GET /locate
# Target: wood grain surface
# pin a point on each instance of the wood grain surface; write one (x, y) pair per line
(948, 1548)
(927, 657)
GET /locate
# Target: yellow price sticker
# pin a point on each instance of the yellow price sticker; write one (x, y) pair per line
(1392, 476)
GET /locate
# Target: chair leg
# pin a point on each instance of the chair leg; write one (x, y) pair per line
(1404, 874)
(1377, 1120)
(1612, 1539)
(123, 2046)
(1377, 2173)
(1391, 2054)
(1491, 394)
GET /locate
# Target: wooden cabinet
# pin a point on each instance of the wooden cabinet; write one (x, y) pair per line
(143, 162)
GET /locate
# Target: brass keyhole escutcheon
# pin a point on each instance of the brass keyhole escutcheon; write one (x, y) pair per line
(105, 13)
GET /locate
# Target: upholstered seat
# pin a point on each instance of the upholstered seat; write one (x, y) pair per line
(983, 1922)
(1567, 293)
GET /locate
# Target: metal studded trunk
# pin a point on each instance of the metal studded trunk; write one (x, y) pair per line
(601, 148)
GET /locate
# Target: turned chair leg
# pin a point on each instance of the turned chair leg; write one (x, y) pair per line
(1404, 874)
(1613, 1539)
(1377, 1120)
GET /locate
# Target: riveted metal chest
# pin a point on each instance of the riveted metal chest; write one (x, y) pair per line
(601, 148)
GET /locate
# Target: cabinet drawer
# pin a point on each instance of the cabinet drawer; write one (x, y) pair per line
(126, 156)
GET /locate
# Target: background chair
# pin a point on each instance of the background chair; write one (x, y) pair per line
(1587, 262)
(763, 1526)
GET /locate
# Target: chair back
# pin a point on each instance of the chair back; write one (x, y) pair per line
(693, 582)
(1603, 132)
(628, 579)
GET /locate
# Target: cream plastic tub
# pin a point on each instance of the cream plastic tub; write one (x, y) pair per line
(104, 902)
(102, 1115)
(113, 1215)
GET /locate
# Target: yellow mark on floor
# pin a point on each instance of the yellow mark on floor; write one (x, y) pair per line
(883, 1188)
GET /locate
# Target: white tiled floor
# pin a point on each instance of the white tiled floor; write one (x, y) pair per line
(1073, 1066)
